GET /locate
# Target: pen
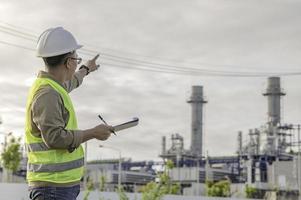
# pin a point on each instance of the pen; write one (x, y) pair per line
(105, 123)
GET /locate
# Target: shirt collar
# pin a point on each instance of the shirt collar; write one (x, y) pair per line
(43, 74)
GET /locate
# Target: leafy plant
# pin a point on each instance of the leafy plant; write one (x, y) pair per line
(11, 156)
(89, 188)
(121, 194)
(250, 191)
(102, 183)
(155, 191)
(255, 193)
(218, 189)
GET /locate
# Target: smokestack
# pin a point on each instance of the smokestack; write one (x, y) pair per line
(257, 138)
(239, 143)
(163, 145)
(274, 94)
(197, 101)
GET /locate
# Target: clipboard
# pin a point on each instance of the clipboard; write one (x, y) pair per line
(126, 125)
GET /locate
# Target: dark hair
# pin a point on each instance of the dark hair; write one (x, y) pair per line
(54, 61)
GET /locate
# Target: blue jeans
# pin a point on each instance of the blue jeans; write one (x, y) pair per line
(54, 193)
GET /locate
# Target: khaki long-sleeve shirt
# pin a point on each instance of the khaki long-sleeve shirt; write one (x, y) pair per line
(49, 117)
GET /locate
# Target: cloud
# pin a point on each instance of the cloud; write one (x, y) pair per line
(230, 35)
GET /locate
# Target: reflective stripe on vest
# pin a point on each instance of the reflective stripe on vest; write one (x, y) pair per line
(36, 147)
(59, 167)
(52, 165)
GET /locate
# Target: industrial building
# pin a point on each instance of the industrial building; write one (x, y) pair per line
(133, 175)
(270, 159)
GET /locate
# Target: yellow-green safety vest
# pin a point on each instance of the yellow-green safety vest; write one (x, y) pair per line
(52, 165)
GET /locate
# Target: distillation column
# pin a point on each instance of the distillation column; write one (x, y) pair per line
(197, 101)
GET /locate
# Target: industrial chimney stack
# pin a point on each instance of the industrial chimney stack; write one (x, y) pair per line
(197, 101)
(274, 93)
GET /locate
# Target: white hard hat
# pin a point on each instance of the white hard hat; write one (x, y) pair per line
(56, 41)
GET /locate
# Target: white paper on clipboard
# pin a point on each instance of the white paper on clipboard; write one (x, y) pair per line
(126, 125)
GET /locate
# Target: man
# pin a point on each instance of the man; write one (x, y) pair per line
(53, 140)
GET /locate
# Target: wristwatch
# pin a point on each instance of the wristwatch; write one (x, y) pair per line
(86, 68)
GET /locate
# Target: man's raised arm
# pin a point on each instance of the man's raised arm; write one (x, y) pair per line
(84, 70)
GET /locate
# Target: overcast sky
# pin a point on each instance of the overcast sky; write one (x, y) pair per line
(224, 35)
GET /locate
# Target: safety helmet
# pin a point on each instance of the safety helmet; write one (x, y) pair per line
(56, 41)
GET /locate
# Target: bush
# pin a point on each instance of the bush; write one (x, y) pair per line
(11, 156)
(155, 191)
(254, 193)
(250, 191)
(218, 189)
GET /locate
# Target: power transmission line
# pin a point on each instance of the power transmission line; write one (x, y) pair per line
(190, 73)
(15, 34)
(178, 70)
(164, 70)
(16, 28)
(16, 45)
(28, 31)
(145, 65)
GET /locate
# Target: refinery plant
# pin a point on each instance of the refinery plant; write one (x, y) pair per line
(269, 159)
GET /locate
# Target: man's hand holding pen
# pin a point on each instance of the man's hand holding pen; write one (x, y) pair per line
(105, 123)
(102, 131)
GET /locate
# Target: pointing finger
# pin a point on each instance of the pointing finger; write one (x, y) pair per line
(95, 57)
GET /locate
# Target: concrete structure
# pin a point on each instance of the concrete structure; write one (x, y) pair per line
(282, 175)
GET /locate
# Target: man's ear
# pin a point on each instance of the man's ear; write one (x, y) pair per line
(67, 63)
